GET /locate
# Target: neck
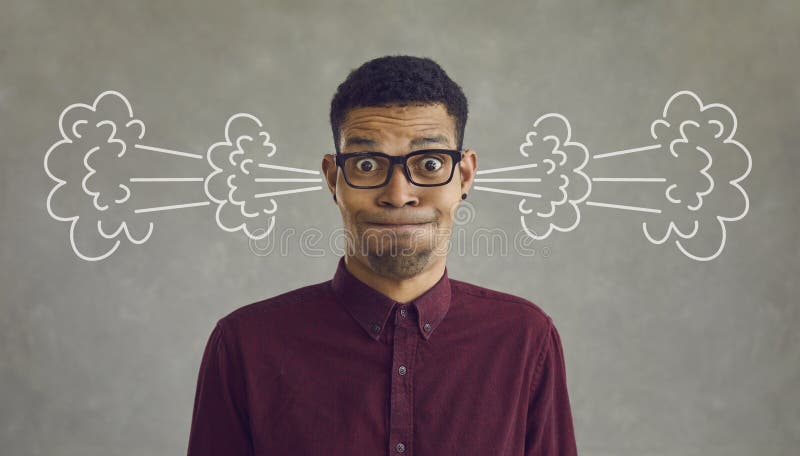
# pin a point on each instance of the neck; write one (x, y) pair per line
(400, 290)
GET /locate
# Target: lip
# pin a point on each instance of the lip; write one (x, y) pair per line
(398, 226)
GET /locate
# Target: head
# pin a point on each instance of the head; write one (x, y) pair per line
(396, 105)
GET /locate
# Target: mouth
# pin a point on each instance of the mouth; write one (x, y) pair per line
(399, 225)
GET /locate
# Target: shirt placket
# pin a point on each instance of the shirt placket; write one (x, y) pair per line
(404, 345)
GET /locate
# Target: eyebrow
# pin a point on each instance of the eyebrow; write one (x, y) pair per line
(421, 141)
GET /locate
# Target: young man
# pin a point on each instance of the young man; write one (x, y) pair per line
(390, 356)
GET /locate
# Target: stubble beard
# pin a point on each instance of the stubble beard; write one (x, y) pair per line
(398, 256)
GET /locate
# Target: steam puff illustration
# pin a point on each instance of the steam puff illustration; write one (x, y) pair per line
(96, 145)
(94, 191)
(557, 163)
(237, 164)
(703, 168)
(725, 163)
(701, 165)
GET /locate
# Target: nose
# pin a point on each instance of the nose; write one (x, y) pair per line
(398, 191)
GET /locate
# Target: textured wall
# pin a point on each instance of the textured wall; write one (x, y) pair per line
(665, 355)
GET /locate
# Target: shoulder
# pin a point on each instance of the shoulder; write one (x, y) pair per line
(502, 303)
(276, 307)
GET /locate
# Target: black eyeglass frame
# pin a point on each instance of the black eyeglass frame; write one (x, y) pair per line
(456, 155)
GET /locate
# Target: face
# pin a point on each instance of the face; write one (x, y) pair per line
(370, 216)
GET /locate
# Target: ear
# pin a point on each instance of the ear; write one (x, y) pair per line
(330, 170)
(468, 166)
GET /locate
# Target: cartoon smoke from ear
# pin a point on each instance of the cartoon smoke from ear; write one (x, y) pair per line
(697, 204)
(86, 164)
(558, 164)
(99, 148)
(236, 183)
(695, 150)
(235, 161)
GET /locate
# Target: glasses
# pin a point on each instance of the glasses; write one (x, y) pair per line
(425, 168)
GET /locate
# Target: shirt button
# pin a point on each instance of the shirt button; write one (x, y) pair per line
(402, 370)
(403, 313)
(427, 327)
(400, 447)
(376, 328)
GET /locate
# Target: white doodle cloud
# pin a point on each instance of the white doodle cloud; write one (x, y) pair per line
(235, 161)
(93, 146)
(564, 185)
(690, 130)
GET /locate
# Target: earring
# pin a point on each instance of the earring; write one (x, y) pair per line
(463, 196)
(334, 197)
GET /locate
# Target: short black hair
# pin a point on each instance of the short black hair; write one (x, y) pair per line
(398, 80)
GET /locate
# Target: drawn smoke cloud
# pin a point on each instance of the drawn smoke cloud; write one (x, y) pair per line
(86, 164)
(705, 166)
(558, 164)
(99, 149)
(702, 167)
(232, 183)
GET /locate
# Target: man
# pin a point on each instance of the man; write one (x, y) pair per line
(390, 356)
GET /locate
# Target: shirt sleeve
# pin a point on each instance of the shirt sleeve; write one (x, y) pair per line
(220, 421)
(549, 429)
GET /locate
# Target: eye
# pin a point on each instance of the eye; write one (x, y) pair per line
(431, 163)
(366, 164)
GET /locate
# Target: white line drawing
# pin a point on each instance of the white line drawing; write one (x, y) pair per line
(628, 151)
(724, 154)
(287, 168)
(629, 179)
(168, 151)
(166, 179)
(623, 206)
(90, 137)
(79, 125)
(507, 192)
(236, 162)
(172, 206)
(559, 162)
(688, 132)
(507, 168)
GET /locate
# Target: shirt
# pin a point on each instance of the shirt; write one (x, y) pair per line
(338, 368)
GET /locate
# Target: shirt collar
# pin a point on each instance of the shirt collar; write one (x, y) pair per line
(372, 309)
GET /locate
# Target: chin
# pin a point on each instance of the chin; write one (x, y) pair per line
(399, 265)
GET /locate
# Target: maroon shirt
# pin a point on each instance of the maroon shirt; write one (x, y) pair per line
(338, 368)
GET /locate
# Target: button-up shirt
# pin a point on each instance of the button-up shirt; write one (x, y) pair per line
(338, 368)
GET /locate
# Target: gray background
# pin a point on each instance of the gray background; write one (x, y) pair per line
(665, 355)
